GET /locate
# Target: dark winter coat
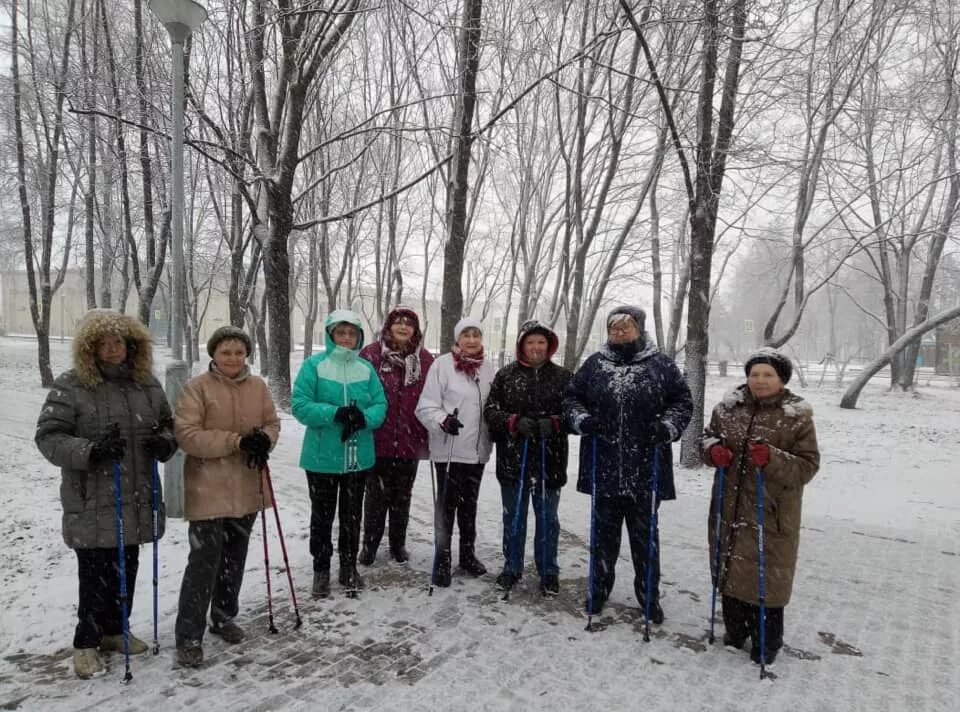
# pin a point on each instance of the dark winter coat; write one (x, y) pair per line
(628, 397)
(785, 423)
(519, 390)
(401, 435)
(80, 408)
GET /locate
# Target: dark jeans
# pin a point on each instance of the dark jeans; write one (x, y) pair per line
(742, 620)
(457, 494)
(214, 574)
(99, 604)
(389, 488)
(545, 510)
(611, 514)
(325, 490)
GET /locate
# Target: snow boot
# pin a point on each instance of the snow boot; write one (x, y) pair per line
(367, 555)
(190, 654)
(114, 644)
(229, 631)
(87, 663)
(399, 554)
(350, 579)
(733, 642)
(506, 580)
(471, 564)
(656, 612)
(550, 585)
(321, 584)
(769, 657)
(593, 605)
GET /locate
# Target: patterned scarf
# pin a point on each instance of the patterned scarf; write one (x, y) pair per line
(465, 363)
(392, 358)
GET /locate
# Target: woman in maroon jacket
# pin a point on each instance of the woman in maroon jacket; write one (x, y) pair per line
(401, 441)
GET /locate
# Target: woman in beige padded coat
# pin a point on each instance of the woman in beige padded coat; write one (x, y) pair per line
(226, 423)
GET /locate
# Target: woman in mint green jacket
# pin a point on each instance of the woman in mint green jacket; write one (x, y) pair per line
(340, 399)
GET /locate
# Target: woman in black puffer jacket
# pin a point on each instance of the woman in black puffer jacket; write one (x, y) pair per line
(524, 409)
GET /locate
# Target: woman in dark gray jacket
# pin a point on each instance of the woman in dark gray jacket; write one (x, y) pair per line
(107, 411)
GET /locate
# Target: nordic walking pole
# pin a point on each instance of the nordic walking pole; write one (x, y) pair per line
(651, 531)
(155, 511)
(721, 475)
(122, 566)
(593, 534)
(283, 545)
(266, 556)
(437, 512)
(543, 504)
(515, 528)
(762, 582)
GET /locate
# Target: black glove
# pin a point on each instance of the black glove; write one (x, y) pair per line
(356, 418)
(158, 447)
(342, 416)
(526, 427)
(661, 433)
(546, 428)
(451, 425)
(589, 426)
(109, 446)
(257, 447)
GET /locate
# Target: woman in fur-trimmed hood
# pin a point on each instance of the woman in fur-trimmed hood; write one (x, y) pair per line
(106, 412)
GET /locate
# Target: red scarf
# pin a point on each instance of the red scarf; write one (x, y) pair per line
(468, 364)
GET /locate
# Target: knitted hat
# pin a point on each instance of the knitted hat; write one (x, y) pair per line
(225, 333)
(468, 322)
(635, 313)
(780, 363)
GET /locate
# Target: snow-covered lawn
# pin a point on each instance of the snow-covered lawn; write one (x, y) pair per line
(874, 623)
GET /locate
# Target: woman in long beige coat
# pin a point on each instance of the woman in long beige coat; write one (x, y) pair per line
(226, 423)
(760, 424)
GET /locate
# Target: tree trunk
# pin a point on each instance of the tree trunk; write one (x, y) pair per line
(458, 188)
(852, 393)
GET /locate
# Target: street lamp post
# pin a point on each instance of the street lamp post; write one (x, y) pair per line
(181, 18)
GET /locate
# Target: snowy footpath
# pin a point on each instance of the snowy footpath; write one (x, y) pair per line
(874, 623)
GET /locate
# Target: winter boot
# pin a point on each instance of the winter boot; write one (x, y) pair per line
(506, 580)
(399, 553)
(471, 564)
(656, 612)
(229, 631)
(367, 555)
(769, 656)
(190, 654)
(443, 576)
(594, 604)
(321, 584)
(550, 585)
(87, 663)
(350, 578)
(114, 644)
(732, 641)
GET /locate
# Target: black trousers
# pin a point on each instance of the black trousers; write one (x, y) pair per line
(389, 488)
(611, 514)
(214, 574)
(457, 494)
(325, 490)
(742, 620)
(99, 609)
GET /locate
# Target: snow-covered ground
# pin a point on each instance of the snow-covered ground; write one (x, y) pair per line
(874, 623)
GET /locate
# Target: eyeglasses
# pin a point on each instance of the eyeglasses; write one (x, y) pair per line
(622, 329)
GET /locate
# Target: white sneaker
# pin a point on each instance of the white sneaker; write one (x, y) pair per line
(87, 663)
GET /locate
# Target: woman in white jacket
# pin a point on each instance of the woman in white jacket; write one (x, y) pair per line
(451, 409)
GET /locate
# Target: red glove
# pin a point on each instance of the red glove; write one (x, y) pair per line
(760, 454)
(721, 456)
